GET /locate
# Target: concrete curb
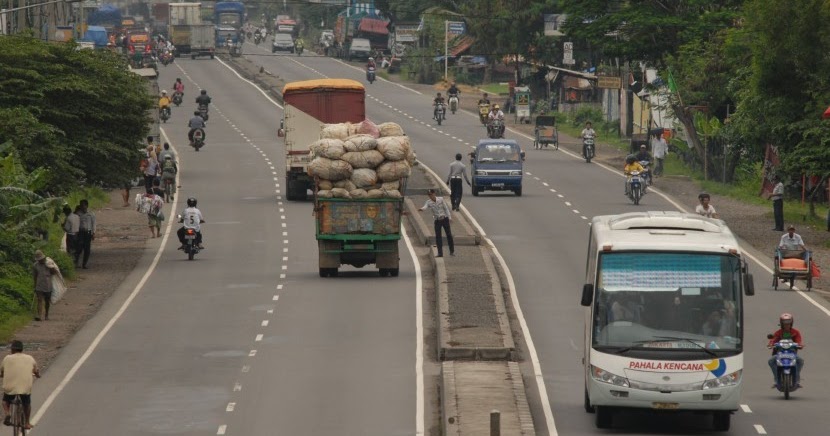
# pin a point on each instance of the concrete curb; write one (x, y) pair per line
(525, 417)
(449, 400)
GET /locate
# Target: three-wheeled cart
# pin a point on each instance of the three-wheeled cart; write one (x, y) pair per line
(546, 133)
(792, 265)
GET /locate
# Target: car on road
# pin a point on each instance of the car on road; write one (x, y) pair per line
(360, 48)
(497, 166)
(282, 42)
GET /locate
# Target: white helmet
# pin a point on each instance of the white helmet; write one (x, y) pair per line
(371, 58)
(164, 91)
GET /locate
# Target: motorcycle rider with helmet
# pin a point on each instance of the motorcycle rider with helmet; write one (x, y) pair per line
(495, 114)
(644, 156)
(453, 91)
(197, 122)
(435, 102)
(370, 63)
(203, 99)
(164, 103)
(631, 164)
(787, 331)
(191, 218)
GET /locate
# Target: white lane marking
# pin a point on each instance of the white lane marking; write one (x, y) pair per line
(528, 173)
(567, 203)
(760, 429)
(285, 250)
(279, 286)
(284, 267)
(560, 195)
(584, 217)
(252, 353)
(545, 184)
(100, 336)
(553, 190)
(230, 407)
(282, 276)
(576, 211)
(275, 297)
(258, 338)
(745, 408)
(222, 429)
(419, 339)
(246, 368)
(285, 233)
(264, 323)
(535, 178)
(285, 258)
(264, 94)
(539, 377)
(237, 387)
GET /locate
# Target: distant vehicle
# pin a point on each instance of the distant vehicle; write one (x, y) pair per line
(497, 166)
(282, 42)
(202, 40)
(360, 48)
(229, 14)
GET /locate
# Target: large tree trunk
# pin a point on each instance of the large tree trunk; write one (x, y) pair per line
(685, 117)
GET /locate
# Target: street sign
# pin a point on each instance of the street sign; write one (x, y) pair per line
(609, 82)
(456, 27)
(568, 56)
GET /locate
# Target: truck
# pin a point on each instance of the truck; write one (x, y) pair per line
(202, 40)
(161, 18)
(230, 14)
(346, 29)
(358, 232)
(181, 17)
(106, 16)
(309, 104)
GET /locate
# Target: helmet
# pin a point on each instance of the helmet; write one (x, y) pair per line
(642, 146)
(164, 91)
(371, 58)
(703, 195)
(204, 92)
(786, 318)
(630, 159)
(191, 202)
(496, 106)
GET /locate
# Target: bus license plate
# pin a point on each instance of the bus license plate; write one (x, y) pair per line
(665, 406)
(498, 185)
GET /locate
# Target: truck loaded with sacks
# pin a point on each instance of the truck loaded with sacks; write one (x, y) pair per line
(359, 173)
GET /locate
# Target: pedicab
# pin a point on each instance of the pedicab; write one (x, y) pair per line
(546, 133)
(792, 265)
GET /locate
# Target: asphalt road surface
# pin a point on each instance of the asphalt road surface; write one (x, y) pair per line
(246, 339)
(543, 237)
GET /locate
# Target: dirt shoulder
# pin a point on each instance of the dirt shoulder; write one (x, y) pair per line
(121, 238)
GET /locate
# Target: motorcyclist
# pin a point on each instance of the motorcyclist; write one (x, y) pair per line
(787, 331)
(644, 156)
(191, 218)
(203, 99)
(164, 103)
(370, 63)
(299, 44)
(453, 91)
(484, 99)
(631, 164)
(588, 133)
(197, 122)
(178, 87)
(438, 100)
(495, 114)
(168, 173)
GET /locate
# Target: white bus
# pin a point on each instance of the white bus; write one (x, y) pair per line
(664, 319)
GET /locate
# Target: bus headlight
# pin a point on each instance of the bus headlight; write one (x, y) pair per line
(723, 381)
(604, 376)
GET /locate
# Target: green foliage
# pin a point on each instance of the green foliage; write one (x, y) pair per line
(68, 110)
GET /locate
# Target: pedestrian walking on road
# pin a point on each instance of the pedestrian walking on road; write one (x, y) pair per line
(777, 197)
(659, 149)
(86, 233)
(457, 170)
(442, 216)
(42, 272)
(71, 225)
(150, 167)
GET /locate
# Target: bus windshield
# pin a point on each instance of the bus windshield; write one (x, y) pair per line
(668, 301)
(229, 19)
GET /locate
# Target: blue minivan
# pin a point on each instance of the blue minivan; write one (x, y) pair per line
(497, 166)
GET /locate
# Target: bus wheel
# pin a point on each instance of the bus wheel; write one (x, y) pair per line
(604, 417)
(588, 407)
(720, 421)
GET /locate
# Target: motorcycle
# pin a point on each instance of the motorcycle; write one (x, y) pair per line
(588, 149)
(370, 74)
(495, 129)
(257, 38)
(299, 50)
(646, 172)
(177, 98)
(483, 111)
(786, 361)
(166, 58)
(439, 113)
(198, 139)
(164, 114)
(203, 111)
(635, 187)
(190, 245)
(453, 103)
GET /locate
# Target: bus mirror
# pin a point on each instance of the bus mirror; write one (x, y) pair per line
(749, 285)
(587, 294)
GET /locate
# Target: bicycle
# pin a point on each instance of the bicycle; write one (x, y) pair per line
(17, 412)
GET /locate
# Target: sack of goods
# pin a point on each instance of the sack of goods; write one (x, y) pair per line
(361, 160)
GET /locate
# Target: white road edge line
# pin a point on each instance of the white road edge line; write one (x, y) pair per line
(419, 340)
(381, 78)
(264, 94)
(760, 429)
(98, 338)
(534, 357)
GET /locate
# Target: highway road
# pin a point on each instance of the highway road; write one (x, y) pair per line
(543, 238)
(246, 339)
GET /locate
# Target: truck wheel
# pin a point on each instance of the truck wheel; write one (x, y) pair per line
(324, 272)
(332, 272)
(604, 417)
(394, 272)
(383, 272)
(211, 56)
(721, 421)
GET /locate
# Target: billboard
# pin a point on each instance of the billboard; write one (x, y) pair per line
(406, 33)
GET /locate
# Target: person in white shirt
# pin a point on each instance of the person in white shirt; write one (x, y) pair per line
(777, 197)
(587, 133)
(659, 148)
(704, 208)
(192, 218)
(442, 216)
(792, 246)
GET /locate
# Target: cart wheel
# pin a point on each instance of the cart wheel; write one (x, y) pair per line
(792, 281)
(536, 144)
(809, 282)
(775, 282)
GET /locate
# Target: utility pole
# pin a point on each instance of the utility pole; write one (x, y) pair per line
(446, 49)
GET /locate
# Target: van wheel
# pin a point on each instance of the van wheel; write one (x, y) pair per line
(518, 192)
(475, 191)
(604, 417)
(721, 421)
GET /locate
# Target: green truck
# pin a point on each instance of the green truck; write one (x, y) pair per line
(358, 232)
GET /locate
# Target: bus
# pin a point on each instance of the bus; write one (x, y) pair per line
(664, 316)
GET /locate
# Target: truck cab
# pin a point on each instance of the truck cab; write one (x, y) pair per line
(497, 165)
(360, 48)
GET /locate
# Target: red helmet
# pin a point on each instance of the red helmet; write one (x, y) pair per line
(786, 318)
